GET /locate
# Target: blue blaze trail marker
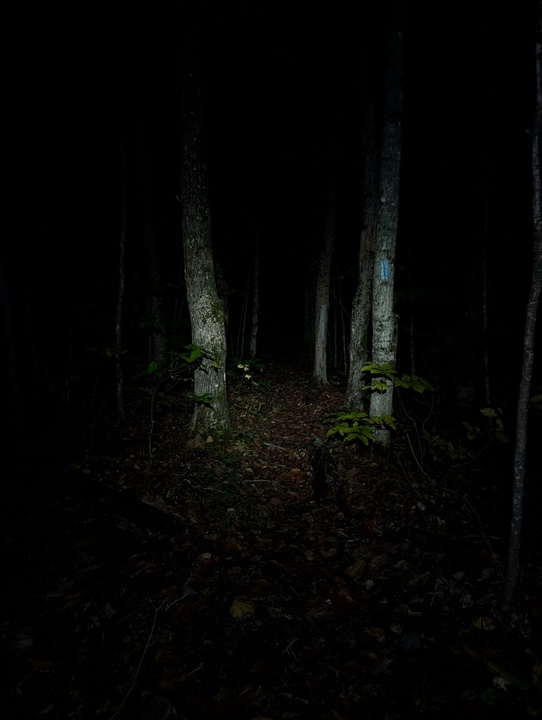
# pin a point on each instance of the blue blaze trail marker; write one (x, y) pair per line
(384, 270)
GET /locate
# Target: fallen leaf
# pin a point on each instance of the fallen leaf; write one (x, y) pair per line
(240, 608)
(356, 569)
(483, 623)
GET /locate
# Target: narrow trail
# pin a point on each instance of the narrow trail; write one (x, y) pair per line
(200, 580)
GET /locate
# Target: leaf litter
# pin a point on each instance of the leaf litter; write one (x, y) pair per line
(204, 581)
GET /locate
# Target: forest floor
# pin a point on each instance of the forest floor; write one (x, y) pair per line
(149, 576)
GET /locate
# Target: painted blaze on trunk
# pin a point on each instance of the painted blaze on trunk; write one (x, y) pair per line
(384, 345)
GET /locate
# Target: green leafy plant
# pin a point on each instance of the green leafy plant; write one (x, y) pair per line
(444, 449)
(357, 426)
(205, 399)
(163, 376)
(246, 371)
(494, 429)
(249, 389)
(175, 365)
(384, 374)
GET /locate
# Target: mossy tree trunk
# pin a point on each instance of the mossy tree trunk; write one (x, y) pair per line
(211, 413)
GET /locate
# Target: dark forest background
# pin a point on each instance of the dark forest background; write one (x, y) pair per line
(152, 571)
(93, 100)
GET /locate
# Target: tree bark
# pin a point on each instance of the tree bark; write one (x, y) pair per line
(361, 305)
(156, 317)
(520, 452)
(384, 339)
(322, 286)
(211, 413)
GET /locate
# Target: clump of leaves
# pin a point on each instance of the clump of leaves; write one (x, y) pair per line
(177, 364)
(443, 449)
(494, 429)
(162, 377)
(357, 426)
(384, 374)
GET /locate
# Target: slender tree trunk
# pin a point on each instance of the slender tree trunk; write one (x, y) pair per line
(155, 325)
(255, 299)
(242, 331)
(322, 286)
(211, 413)
(335, 344)
(520, 454)
(361, 305)
(122, 270)
(10, 411)
(118, 314)
(156, 339)
(384, 342)
(309, 307)
(411, 322)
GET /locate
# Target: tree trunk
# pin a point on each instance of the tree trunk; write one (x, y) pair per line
(119, 308)
(255, 299)
(211, 413)
(11, 412)
(155, 325)
(384, 341)
(242, 330)
(520, 453)
(322, 286)
(156, 339)
(361, 305)
(309, 307)
(119, 311)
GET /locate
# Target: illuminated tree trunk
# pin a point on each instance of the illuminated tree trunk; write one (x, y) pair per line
(211, 413)
(384, 339)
